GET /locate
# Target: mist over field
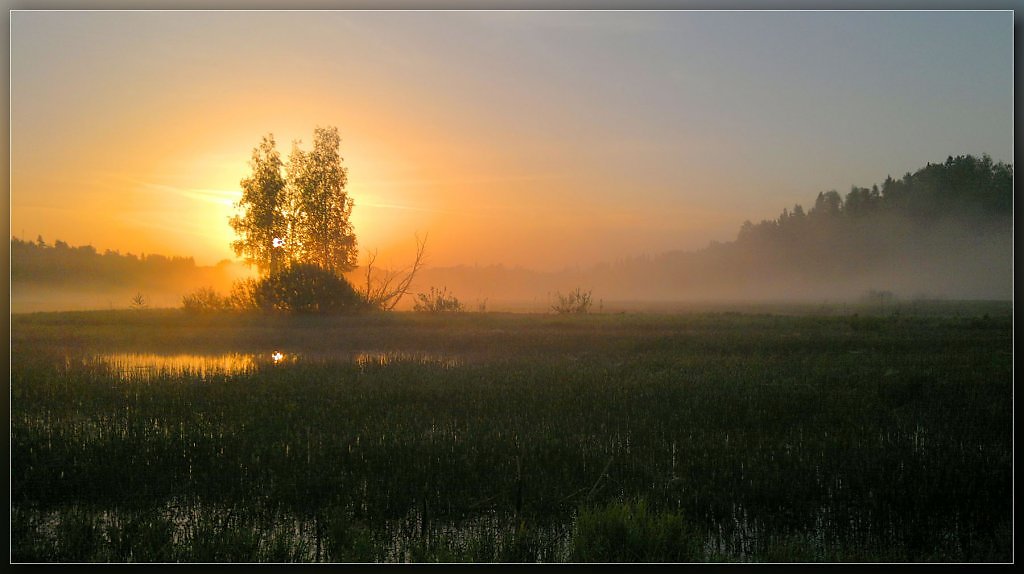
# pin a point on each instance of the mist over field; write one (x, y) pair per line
(55, 276)
(944, 232)
(947, 260)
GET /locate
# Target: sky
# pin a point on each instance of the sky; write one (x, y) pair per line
(524, 138)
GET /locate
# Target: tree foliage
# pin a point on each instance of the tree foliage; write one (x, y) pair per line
(319, 207)
(296, 229)
(306, 288)
(301, 218)
(263, 203)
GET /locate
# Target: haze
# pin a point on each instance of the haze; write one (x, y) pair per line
(544, 140)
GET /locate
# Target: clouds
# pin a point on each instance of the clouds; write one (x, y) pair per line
(221, 197)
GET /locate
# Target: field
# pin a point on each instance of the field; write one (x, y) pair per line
(793, 435)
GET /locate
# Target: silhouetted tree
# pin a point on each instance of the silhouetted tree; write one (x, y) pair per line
(862, 201)
(319, 206)
(296, 229)
(828, 203)
(263, 204)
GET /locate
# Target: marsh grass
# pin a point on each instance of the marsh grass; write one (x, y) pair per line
(699, 437)
(629, 532)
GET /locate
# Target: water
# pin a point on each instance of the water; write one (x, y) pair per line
(144, 366)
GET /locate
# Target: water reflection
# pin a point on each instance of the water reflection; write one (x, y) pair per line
(135, 366)
(139, 366)
(391, 357)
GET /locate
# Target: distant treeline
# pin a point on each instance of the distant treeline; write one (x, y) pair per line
(40, 262)
(48, 276)
(965, 188)
(943, 231)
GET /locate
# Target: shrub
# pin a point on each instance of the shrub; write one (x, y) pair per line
(306, 288)
(629, 532)
(437, 301)
(576, 302)
(139, 302)
(205, 300)
(243, 295)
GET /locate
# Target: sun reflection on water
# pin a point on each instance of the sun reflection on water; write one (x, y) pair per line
(134, 366)
(141, 366)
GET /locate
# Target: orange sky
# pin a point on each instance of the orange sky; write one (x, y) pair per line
(532, 139)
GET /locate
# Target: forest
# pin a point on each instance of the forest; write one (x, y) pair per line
(49, 276)
(942, 232)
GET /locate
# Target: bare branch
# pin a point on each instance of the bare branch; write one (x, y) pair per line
(386, 290)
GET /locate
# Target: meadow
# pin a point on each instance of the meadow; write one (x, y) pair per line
(787, 434)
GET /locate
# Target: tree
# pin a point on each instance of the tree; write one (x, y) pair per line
(828, 203)
(295, 228)
(264, 217)
(861, 201)
(319, 206)
(303, 218)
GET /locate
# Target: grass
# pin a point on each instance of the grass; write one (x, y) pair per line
(706, 436)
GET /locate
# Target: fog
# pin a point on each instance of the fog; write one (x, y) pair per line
(940, 262)
(61, 277)
(944, 232)
(907, 259)
(949, 260)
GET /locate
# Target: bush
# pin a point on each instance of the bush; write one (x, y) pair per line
(243, 295)
(437, 302)
(629, 532)
(306, 288)
(205, 300)
(299, 288)
(576, 302)
(139, 302)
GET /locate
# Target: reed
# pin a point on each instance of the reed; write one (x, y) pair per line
(694, 437)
